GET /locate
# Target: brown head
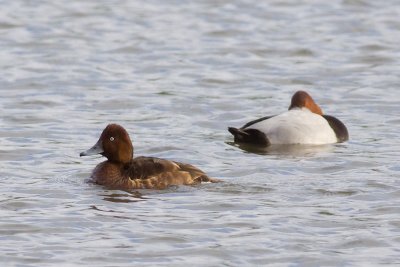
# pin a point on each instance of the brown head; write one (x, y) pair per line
(114, 144)
(302, 99)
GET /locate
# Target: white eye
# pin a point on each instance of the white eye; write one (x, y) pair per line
(111, 138)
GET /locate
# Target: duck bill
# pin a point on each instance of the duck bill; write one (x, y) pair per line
(94, 150)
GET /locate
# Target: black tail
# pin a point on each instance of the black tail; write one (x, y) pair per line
(252, 136)
(237, 133)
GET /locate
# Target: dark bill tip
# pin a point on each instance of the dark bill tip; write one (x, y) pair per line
(96, 149)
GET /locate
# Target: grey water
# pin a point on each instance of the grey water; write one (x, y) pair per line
(175, 74)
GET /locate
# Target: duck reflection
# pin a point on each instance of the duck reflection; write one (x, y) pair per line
(127, 197)
(292, 150)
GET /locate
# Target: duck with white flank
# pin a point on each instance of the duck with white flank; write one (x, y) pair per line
(303, 123)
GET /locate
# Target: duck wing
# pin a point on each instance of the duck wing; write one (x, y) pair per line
(256, 121)
(150, 172)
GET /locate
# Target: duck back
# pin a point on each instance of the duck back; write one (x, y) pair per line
(297, 126)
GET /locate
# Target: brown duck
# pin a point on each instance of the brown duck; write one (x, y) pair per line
(122, 171)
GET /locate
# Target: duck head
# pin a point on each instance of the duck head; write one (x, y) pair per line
(302, 99)
(114, 144)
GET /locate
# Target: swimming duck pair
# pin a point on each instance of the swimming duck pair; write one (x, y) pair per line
(303, 123)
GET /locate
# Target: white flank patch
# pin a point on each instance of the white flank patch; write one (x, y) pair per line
(297, 126)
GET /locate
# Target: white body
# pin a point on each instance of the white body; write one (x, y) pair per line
(297, 126)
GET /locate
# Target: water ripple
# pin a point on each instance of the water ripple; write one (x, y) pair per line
(176, 75)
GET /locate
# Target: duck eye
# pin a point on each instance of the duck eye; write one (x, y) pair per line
(111, 138)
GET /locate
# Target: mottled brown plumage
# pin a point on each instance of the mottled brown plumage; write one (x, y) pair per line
(122, 171)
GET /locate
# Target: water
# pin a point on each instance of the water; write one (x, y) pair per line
(176, 74)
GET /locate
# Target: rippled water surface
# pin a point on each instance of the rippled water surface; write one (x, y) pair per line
(176, 74)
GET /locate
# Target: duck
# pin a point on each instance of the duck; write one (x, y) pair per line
(304, 123)
(123, 171)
